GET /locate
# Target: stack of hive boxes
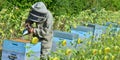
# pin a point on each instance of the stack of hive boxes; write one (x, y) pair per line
(18, 49)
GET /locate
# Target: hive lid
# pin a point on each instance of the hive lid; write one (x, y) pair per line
(20, 40)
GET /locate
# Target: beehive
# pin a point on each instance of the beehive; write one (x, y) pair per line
(84, 32)
(59, 36)
(115, 28)
(99, 30)
(19, 49)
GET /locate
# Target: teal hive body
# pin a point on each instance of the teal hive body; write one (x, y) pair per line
(15, 50)
(59, 36)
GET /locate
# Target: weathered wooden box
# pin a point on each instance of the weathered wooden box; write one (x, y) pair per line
(19, 49)
(59, 36)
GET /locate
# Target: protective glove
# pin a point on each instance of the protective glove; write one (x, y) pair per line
(29, 28)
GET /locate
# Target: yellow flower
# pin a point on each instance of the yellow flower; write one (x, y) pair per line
(100, 51)
(34, 40)
(60, 51)
(16, 8)
(68, 52)
(21, 29)
(119, 22)
(94, 51)
(74, 25)
(107, 50)
(64, 43)
(11, 30)
(50, 58)
(105, 57)
(83, 51)
(79, 41)
(2, 24)
(56, 58)
(112, 38)
(73, 58)
(116, 48)
(86, 24)
(113, 57)
(89, 42)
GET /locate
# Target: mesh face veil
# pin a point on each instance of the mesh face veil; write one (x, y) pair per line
(38, 12)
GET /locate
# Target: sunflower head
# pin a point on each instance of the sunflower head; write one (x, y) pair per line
(34, 40)
(68, 52)
(64, 43)
(107, 50)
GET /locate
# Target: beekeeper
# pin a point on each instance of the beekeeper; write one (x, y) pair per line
(43, 19)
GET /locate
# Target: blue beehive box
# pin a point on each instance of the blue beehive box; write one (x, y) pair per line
(20, 50)
(99, 30)
(60, 36)
(84, 32)
(114, 29)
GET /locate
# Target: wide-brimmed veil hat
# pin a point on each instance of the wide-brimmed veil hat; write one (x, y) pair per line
(38, 12)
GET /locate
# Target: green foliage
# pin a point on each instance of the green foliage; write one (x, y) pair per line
(4, 4)
(66, 7)
(11, 22)
(102, 16)
(66, 13)
(106, 46)
(26, 3)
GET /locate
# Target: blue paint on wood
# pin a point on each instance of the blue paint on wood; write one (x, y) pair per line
(34, 47)
(99, 30)
(11, 55)
(20, 49)
(20, 46)
(115, 26)
(59, 36)
(65, 35)
(14, 46)
(83, 31)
